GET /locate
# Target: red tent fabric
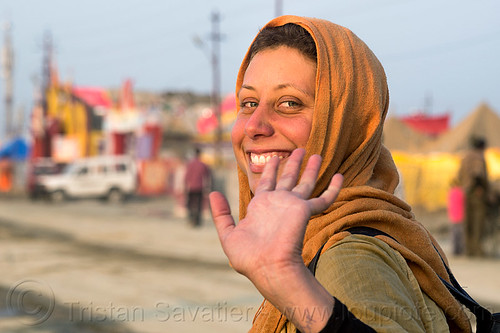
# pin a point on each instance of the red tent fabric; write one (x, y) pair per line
(93, 96)
(427, 124)
(126, 100)
(208, 120)
(229, 103)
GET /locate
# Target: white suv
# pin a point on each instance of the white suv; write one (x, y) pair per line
(110, 177)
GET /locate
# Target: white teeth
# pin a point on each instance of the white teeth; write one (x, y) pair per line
(263, 159)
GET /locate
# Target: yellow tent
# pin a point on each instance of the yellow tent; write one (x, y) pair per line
(427, 177)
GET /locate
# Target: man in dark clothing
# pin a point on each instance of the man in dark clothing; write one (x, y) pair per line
(197, 181)
(473, 178)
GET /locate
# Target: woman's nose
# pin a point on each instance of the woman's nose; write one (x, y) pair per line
(259, 124)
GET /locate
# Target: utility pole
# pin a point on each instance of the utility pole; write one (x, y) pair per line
(278, 8)
(215, 38)
(7, 73)
(45, 83)
(46, 66)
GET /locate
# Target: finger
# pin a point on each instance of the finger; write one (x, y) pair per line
(319, 204)
(308, 178)
(290, 174)
(221, 214)
(267, 181)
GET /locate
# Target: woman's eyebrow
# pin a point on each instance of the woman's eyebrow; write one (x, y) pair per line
(279, 87)
(244, 86)
(289, 85)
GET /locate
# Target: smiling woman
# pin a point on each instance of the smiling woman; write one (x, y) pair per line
(276, 109)
(312, 90)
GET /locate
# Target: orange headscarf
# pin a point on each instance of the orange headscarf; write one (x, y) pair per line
(351, 103)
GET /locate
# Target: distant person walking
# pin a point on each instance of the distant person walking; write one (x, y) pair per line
(197, 184)
(456, 214)
(473, 178)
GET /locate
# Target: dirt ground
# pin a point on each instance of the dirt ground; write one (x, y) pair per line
(86, 266)
(129, 268)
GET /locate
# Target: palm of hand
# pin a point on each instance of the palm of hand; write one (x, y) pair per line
(271, 234)
(270, 237)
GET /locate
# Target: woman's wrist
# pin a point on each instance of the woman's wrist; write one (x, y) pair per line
(298, 295)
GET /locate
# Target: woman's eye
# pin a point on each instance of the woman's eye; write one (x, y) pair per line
(290, 104)
(250, 105)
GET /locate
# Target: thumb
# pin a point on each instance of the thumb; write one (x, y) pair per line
(221, 214)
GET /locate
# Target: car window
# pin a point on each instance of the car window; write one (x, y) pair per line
(82, 171)
(45, 170)
(120, 167)
(102, 169)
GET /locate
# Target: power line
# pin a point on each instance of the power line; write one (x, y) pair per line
(442, 48)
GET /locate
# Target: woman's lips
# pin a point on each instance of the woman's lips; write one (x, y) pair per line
(257, 161)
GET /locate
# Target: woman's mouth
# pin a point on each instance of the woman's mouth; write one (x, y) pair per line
(259, 160)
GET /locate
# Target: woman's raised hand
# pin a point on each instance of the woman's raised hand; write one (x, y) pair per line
(268, 241)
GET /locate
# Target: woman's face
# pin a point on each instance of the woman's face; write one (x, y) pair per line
(276, 109)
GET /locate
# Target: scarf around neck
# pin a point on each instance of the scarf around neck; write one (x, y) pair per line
(351, 102)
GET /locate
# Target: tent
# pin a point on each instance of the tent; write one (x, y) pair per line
(399, 136)
(432, 125)
(427, 175)
(207, 123)
(17, 149)
(482, 121)
(94, 97)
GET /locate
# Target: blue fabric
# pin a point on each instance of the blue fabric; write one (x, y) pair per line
(17, 149)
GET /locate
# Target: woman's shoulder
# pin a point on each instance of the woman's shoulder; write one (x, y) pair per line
(360, 247)
(376, 284)
(357, 257)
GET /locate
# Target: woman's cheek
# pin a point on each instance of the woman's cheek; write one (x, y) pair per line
(237, 135)
(236, 130)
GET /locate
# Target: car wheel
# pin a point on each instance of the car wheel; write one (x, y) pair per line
(58, 196)
(115, 196)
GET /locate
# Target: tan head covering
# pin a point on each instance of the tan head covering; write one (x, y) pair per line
(350, 107)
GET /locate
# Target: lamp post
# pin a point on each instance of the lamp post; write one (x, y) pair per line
(7, 73)
(214, 55)
(278, 8)
(216, 38)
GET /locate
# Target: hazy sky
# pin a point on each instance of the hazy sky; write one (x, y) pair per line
(447, 51)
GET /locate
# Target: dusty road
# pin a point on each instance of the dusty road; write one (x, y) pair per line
(86, 266)
(129, 268)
